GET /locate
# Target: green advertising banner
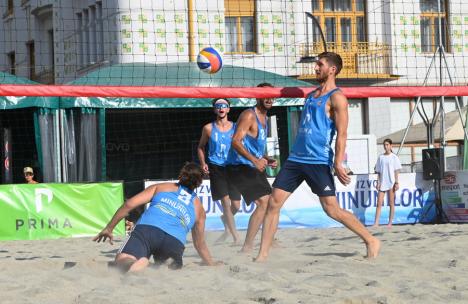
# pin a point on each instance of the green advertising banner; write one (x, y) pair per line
(49, 211)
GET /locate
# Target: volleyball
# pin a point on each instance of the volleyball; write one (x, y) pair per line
(209, 60)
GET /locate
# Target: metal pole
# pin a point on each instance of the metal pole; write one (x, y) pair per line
(457, 102)
(417, 104)
(307, 48)
(324, 41)
(191, 33)
(63, 125)
(58, 152)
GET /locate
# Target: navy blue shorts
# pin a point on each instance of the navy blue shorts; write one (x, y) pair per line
(147, 240)
(318, 177)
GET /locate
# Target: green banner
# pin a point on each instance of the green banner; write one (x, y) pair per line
(49, 211)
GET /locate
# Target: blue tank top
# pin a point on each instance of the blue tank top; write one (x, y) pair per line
(315, 134)
(172, 212)
(219, 144)
(255, 146)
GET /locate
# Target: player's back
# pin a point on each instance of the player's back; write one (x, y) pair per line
(172, 210)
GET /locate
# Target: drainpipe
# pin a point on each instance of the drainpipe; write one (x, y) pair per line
(191, 34)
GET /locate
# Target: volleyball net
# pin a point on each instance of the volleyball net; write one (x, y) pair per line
(381, 42)
(111, 90)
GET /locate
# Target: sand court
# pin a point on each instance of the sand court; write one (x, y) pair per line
(418, 264)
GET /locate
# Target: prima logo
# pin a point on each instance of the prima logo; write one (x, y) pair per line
(39, 194)
(42, 196)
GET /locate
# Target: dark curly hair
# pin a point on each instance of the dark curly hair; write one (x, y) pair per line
(191, 176)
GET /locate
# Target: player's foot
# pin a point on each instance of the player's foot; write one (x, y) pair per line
(389, 226)
(260, 259)
(276, 244)
(373, 248)
(375, 226)
(246, 249)
(235, 238)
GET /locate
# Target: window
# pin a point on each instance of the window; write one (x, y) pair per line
(85, 48)
(31, 59)
(100, 31)
(343, 22)
(9, 8)
(80, 53)
(93, 46)
(12, 62)
(430, 18)
(240, 26)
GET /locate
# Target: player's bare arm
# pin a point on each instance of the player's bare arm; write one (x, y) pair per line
(206, 133)
(246, 125)
(137, 200)
(339, 113)
(198, 234)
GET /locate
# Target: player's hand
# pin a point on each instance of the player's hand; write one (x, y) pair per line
(212, 263)
(105, 234)
(261, 164)
(396, 186)
(342, 175)
(378, 186)
(205, 169)
(273, 163)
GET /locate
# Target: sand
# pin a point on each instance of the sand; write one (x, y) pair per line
(418, 264)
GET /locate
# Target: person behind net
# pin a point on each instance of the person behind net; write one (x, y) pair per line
(247, 162)
(218, 134)
(29, 175)
(311, 159)
(388, 168)
(174, 210)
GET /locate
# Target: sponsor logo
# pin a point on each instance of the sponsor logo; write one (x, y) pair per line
(450, 187)
(39, 193)
(450, 179)
(327, 188)
(39, 222)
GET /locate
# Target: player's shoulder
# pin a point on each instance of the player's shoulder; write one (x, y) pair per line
(337, 98)
(247, 114)
(337, 94)
(166, 187)
(208, 126)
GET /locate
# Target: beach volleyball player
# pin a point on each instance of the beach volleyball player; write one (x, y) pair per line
(311, 159)
(218, 134)
(247, 162)
(161, 231)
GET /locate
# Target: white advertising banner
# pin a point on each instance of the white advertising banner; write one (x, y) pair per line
(303, 208)
(454, 194)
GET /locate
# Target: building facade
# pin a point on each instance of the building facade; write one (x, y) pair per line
(382, 43)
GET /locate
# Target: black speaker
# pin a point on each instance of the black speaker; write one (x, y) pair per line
(433, 163)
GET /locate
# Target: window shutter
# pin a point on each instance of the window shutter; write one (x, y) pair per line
(239, 7)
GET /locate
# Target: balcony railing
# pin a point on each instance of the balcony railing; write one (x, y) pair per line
(360, 60)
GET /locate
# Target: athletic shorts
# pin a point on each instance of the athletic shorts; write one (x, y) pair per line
(220, 185)
(317, 176)
(250, 182)
(147, 240)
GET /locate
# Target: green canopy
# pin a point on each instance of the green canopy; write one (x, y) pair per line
(15, 102)
(175, 74)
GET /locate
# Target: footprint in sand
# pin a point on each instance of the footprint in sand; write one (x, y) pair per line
(67, 265)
